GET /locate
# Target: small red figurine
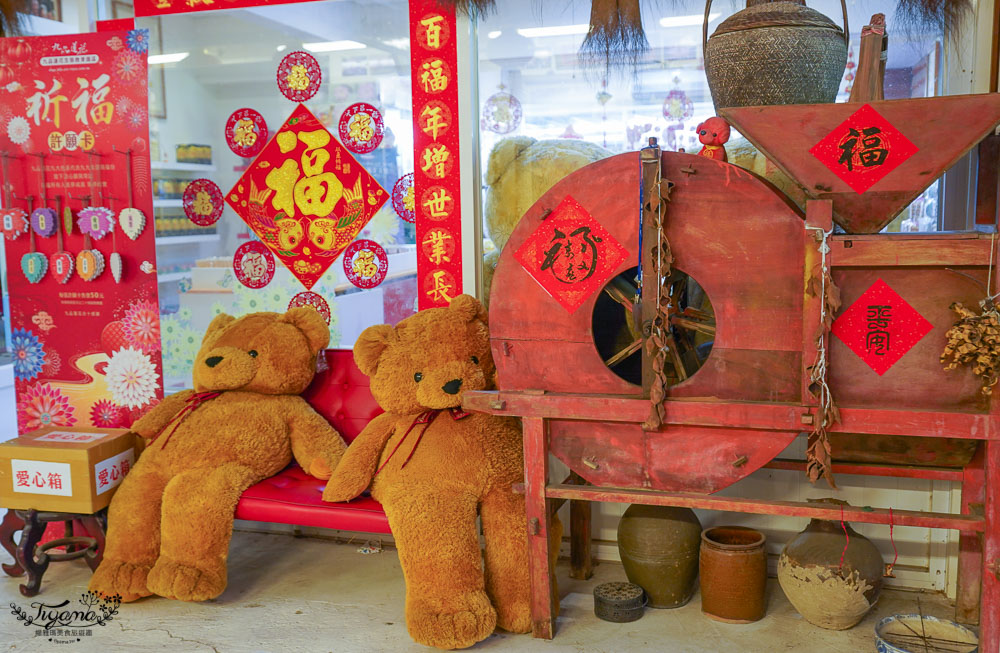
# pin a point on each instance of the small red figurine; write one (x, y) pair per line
(713, 134)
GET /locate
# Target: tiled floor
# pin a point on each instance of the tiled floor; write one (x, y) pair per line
(307, 594)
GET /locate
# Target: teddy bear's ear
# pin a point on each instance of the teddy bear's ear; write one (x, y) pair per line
(503, 154)
(370, 345)
(308, 320)
(470, 308)
(215, 327)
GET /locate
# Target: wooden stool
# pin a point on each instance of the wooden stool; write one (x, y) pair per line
(35, 559)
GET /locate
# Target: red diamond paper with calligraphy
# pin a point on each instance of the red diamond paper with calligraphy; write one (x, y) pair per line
(571, 255)
(306, 197)
(880, 327)
(863, 149)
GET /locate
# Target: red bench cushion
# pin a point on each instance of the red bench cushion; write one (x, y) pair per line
(339, 393)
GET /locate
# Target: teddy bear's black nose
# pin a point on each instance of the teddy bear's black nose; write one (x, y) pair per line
(451, 387)
(212, 361)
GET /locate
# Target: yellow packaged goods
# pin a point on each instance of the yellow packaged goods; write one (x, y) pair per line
(65, 469)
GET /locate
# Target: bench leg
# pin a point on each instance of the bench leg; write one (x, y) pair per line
(34, 528)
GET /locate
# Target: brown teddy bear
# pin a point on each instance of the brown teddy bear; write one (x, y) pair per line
(171, 520)
(433, 467)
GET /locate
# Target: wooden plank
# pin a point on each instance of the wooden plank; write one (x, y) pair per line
(746, 415)
(536, 474)
(864, 469)
(785, 135)
(988, 180)
(864, 514)
(989, 619)
(581, 557)
(970, 546)
(852, 252)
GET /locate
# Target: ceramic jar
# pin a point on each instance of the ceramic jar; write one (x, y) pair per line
(659, 550)
(733, 574)
(826, 594)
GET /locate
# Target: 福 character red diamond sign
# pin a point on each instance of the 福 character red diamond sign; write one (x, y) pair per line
(571, 255)
(880, 327)
(863, 149)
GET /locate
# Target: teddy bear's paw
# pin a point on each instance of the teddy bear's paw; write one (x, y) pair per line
(514, 617)
(176, 581)
(459, 623)
(125, 579)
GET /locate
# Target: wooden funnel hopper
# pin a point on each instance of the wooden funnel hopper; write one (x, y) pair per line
(871, 159)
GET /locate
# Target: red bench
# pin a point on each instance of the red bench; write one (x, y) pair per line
(340, 394)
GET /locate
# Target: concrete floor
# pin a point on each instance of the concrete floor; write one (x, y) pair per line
(307, 594)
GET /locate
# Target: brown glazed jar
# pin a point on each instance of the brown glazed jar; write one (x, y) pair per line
(733, 574)
(659, 550)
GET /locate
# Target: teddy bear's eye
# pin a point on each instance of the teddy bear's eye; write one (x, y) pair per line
(703, 132)
(475, 360)
(252, 353)
(714, 134)
(417, 377)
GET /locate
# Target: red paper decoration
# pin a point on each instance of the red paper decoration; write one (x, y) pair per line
(246, 132)
(361, 128)
(299, 76)
(309, 298)
(880, 327)
(306, 197)
(863, 149)
(365, 263)
(13, 222)
(203, 202)
(571, 255)
(253, 264)
(402, 198)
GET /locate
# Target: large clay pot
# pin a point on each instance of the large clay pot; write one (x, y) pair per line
(775, 52)
(659, 550)
(733, 574)
(826, 594)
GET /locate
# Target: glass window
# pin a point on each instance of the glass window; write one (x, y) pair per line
(207, 65)
(529, 51)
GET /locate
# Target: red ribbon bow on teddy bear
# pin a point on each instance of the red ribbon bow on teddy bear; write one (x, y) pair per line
(424, 418)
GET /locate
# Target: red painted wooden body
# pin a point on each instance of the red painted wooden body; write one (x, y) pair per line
(749, 249)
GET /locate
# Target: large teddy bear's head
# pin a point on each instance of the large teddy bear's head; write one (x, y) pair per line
(427, 361)
(269, 353)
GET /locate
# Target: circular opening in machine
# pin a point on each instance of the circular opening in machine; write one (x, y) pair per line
(618, 331)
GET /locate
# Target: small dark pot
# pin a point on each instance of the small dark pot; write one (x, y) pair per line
(733, 574)
(659, 550)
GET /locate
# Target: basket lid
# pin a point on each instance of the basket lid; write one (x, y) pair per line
(784, 13)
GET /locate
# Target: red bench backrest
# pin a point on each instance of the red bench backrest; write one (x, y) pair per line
(340, 394)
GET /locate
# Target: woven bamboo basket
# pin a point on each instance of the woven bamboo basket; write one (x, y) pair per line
(775, 52)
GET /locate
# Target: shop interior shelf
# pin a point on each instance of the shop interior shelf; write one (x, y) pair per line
(182, 167)
(167, 204)
(183, 240)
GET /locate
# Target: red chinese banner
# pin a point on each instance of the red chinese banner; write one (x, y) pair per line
(436, 183)
(162, 7)
(83, 295)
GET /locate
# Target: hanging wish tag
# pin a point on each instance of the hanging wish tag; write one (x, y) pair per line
(89, 264)
(133, 221)
(115, 263)
(13, 222)
(62, 266)
(67, 218)
(44, 222)
(96, 221)
(34, 265)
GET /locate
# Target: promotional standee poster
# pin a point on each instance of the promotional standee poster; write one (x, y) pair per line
(77, 227)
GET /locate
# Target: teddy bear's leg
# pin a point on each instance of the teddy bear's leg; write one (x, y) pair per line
(508, 576)
(197, 523)
(133, 540)
(446, 605)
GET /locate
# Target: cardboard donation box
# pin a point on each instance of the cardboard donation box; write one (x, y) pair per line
(65, 469)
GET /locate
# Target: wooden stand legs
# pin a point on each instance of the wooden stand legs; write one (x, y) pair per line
(580, 555)
(989, 620)
(970, 545)
(536, 474)
(35, 559)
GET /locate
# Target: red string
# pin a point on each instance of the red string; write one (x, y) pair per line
(895, 553)
(192, 403)
(847, 543)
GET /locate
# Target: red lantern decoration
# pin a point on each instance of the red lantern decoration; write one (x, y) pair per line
(19, 52)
